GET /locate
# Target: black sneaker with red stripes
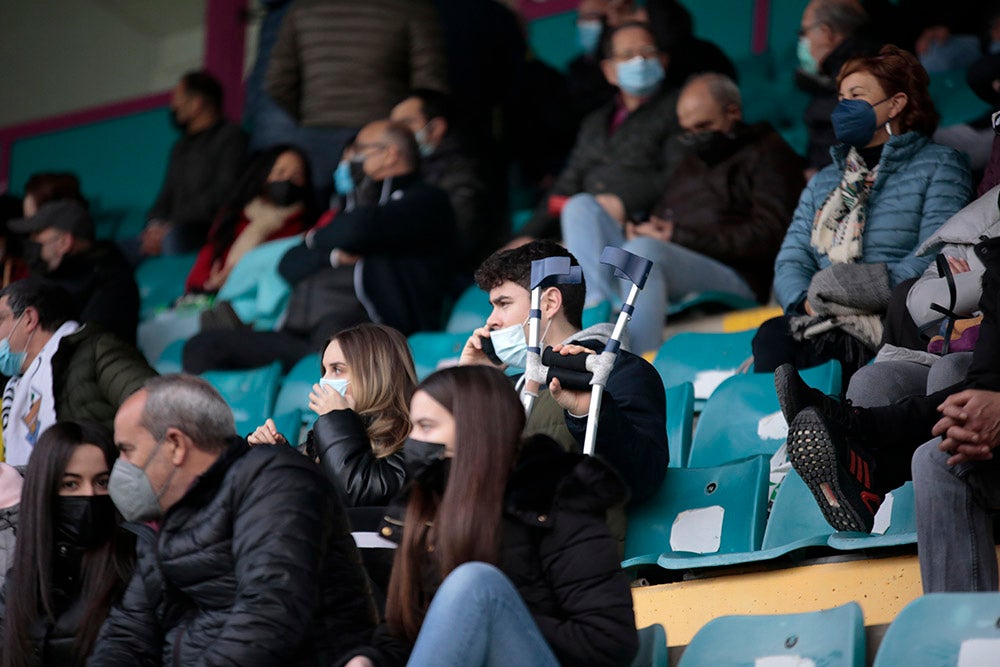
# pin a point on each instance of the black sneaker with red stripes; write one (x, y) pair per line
(838, 472)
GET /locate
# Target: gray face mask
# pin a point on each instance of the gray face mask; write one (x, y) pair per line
(132, 492)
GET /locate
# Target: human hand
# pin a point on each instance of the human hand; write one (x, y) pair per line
(359, 661)
(346, 258)
(655, 228)
(472, 353)
(612, 205)
(151, 239)
(958, 265)
(575, 402)
(970, 425)
(324, 398)
(267, 434)
(216, 276)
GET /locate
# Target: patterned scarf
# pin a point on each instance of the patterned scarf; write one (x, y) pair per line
(840, 221)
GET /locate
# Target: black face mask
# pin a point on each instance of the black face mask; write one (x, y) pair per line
(32, 253)
(419, 455)
(84, 521)
(284, 193)
(712, 147)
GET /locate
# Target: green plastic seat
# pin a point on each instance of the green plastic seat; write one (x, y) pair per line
(250, 393)
(295, 388)
(954, 629)
(433, 348)
(696, 357)
(161, 281)
(902, 525)
(739, 489)
(719, 300)
(469, 312)
(652, 647)
(680, 415)
(831, 638)
(743, 417)
(171, 359)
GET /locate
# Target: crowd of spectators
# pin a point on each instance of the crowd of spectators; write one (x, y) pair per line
(385, 137)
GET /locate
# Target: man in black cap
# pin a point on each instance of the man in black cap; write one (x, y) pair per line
(61, 251)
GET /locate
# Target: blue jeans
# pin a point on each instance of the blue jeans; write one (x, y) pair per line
(477, 619)
(954, 506)
(677, 271)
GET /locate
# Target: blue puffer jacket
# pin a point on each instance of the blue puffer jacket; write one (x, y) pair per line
(919, 185)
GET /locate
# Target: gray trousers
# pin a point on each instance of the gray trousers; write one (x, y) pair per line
(955, 506)
(885, 382)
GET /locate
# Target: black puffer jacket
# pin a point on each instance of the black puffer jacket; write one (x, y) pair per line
(255, 565)
(338, 439)
(559, 554)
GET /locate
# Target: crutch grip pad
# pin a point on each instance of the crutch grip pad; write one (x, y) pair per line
(571, 370)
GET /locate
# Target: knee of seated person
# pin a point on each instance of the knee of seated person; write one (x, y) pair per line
(928, 461)
(468, 578)
(581, 203)
(645, 247)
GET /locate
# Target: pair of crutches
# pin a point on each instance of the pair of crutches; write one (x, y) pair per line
(577, 372)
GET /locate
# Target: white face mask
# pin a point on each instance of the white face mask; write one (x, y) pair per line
(338, 385)
(510, 345)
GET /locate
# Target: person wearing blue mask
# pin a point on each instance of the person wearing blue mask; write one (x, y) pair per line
(632, 436)
(623, 153)
(855, 233)
(361, 402)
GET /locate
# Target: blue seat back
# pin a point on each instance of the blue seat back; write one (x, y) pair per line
(431, 348)
(652, 647)
(938, 628)
(250, 393)
(686, 357)
(680, 418)
(295, 387)
(831, 638)
(469, 312)
(795, 517)
(902, 527)
(161, 281)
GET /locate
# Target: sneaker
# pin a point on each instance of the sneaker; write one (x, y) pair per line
(838, 472)
(794, 395)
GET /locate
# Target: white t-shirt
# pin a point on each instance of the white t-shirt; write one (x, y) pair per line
(29, 403)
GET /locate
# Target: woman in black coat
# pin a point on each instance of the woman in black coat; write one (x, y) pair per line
(504, 555)
(72, 560)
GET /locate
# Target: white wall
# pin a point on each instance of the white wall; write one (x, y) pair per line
(65, 55)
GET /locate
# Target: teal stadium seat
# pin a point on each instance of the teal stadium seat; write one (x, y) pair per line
(432, 349)
(713, 300)
(250, 393)
(469, 312)
(743, 417)
(296, 386)
(902, 525)
(693, 357)
(652, 647)
(289, 424)
(954, 629)
(954, 100)
(161, 281)
(831, 638)
(171, 359)
(680, 417)
(728, 502)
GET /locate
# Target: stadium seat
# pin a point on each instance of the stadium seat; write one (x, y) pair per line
(432, 348)
(743, 417)
(716, 300)
(161, 281)
(954, 100)
(163, 329)
(652, 647)
(702, 359)
(831, 638)
(171, 359)
(295, 388)
(680, 415)
(469, 312)
(699, 511)
(960, 629)
(250, 393)
(902, 529)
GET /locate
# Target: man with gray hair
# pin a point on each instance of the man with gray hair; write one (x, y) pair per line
(831, 33)
(246, 557)
(718, 224)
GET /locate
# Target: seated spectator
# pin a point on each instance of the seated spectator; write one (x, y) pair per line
(273, 199)
(386, 258)
(520, 569)
(445, 163)
(674, 31)
(954, 474)
(72, 560)
(255, 565)
(632, 437)
(204, 165)
(59, 370)
(832, 32)
(944, 36)
(860, 221)
(362, 401)
(588, 87)
(61, 250)
(621, 154)
(718, 224)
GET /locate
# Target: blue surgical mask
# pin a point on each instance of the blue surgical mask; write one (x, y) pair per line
(855, 122)
(510, 345)
(342, 179)
(425, 148)
(807, 63)
(10, 361)
(338, 385)
(588, 35)
(640, 76)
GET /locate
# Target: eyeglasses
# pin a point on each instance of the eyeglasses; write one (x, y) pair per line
(645, 53)
(802, 32)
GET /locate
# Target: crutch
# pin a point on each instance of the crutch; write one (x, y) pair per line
(545, 273)
(577, 372)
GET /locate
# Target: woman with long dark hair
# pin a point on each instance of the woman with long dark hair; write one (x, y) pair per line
(504, 556)
(273, 199)
(72, 560)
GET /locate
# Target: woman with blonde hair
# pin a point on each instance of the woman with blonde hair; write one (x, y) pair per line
(362, 401)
